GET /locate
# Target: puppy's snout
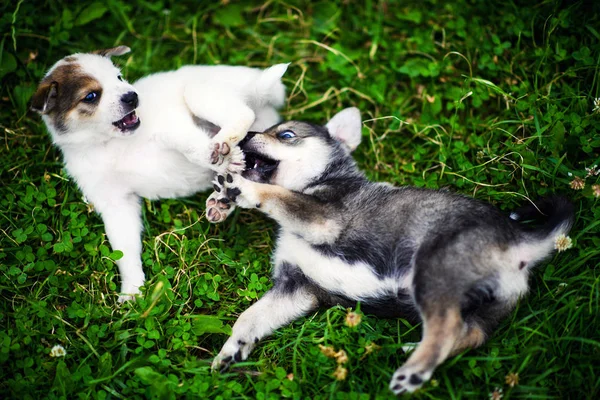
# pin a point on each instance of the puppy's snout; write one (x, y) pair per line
(245, 140)
(130, 98)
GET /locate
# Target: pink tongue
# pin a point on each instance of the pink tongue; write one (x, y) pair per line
(130, 119)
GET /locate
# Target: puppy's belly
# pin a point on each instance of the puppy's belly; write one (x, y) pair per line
(355, 281)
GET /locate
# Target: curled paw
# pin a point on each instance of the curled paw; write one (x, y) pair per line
(407, 379)
(222, 201)
(226, 157)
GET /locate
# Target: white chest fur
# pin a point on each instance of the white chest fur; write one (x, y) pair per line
(135, 166)
(356, 281)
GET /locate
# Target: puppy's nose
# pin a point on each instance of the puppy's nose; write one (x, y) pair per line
(249, 136)
(130, 98)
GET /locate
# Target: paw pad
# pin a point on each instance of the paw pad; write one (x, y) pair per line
(227, 158)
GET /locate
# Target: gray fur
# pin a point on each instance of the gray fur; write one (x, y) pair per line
(455, 263)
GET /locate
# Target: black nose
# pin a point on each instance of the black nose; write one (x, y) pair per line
(249, 136)
(130, 98)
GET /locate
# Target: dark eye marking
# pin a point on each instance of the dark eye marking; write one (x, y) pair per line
(91, 97)
(120, 77)
(286, 135)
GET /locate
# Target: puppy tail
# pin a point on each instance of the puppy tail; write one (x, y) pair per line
(555, 213)
(269, 88)
(546, 219)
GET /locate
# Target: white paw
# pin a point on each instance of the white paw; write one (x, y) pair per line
(234, 350)
(226, 158)
(407, 379)
(126, 297)
(130, 289)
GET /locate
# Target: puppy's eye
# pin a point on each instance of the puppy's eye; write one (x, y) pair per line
(90, 97)
(286, 135)
(120, 78)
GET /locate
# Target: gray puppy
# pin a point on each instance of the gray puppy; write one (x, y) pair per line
(456, 264)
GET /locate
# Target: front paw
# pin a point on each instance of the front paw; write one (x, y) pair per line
(222, 201)
(234, 350)
(218, 207)
(130, 289)
(227, 158)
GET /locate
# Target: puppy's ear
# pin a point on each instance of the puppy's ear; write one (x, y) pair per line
(269, 86)
(44, 99)
(345, 127)
(274, 73)
(115, 51)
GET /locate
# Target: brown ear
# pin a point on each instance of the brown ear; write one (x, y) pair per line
(115, 51)
(44, 99)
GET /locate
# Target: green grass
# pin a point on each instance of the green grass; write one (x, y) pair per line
(491, 99)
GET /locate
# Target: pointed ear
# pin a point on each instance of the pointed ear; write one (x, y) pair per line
(44, 99)
(275, 72)
(346, 127)
(271, 76)
(115, 51)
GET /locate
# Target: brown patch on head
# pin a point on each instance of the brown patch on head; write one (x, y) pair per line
(70, 59)
(62, 91)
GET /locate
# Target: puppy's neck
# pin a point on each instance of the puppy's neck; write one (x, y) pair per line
(341, 176)
(79, 139)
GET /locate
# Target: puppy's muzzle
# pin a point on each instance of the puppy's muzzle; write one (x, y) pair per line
(130, 99)
(248, 137)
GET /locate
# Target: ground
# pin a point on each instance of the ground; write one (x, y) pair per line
(493, 99)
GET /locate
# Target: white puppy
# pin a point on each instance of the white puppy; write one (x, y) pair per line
(119, 152)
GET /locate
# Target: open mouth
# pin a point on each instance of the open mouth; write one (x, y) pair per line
(128, 122)
(259, 168)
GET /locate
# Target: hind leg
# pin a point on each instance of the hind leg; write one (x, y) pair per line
(440, 283)
(443, 327)
(458, 313)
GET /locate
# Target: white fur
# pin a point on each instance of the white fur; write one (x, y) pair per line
(346, 127)
(300, 164)
(514, 264)
(168, 155)
(356, 281)
(262, 318)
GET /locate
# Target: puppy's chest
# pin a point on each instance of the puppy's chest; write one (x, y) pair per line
(145, 170)
(356, 280)
(167, 174)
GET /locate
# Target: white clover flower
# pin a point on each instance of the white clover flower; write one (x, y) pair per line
(561, 286)
(562, 243)
(512, 379)
(352, 319)
(58, 351)
(577, 183)
(592, 171)
(496, 394)
(596, 105)
(340, 373)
